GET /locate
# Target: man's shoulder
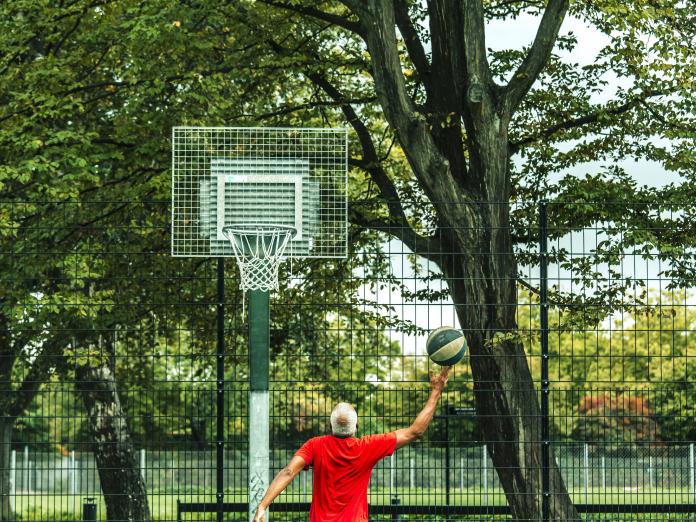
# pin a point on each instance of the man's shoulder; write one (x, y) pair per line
(318, 439)
(388, 434)
(375, 437)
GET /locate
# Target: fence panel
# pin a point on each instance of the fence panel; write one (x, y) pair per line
(120, 340)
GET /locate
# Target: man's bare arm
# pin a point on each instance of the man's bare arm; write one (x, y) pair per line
(281, 481)
(419, 426)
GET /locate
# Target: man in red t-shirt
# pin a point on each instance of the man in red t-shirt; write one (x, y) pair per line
(343, 463)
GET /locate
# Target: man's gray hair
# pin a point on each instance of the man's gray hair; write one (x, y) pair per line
(344, 420)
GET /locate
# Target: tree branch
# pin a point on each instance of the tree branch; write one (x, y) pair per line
(533, 289)
(412, 41)
(476, 60)
(428, 247)
(429, 165)
(372, 165)
(507, 8)
(537, 57)
(398, 224)
(331, 18)
(39, 371)
(582, 120)
(304, 106)
(371, 162)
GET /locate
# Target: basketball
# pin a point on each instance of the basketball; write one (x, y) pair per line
(446, 346)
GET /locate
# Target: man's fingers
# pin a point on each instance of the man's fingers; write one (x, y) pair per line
(445, 371)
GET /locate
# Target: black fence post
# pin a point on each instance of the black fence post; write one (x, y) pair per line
(220, 433)
(447, 455)
(544, 334)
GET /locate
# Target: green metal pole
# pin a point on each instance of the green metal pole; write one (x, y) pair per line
(259, 340)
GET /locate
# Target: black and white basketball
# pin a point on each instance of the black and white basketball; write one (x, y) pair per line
(446, 346)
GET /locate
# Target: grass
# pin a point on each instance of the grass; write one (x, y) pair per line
(163, 505)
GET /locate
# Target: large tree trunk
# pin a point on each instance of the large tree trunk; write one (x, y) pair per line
(6, 427)
(121, 482)
(482, 282)
(463, 170)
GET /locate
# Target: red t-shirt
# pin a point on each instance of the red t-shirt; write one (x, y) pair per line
(342, 469)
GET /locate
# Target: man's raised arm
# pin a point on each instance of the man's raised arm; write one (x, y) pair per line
(417, 429)
(284, 477)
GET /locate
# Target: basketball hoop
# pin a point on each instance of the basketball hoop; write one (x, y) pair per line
(259, 250)
(264, 195)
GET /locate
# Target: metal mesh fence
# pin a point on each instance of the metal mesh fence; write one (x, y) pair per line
(109, 385)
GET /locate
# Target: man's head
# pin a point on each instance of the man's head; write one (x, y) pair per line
(344, 420)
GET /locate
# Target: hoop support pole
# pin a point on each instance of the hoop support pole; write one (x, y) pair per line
(259, 427)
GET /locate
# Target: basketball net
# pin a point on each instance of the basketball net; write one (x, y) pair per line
(258, 250)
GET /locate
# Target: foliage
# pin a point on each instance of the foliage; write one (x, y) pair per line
(634, 365)
(616, 418)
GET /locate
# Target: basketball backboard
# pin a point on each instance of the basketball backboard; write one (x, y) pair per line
(231, 176)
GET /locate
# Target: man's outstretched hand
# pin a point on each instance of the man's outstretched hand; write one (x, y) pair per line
(438, 380)
(260, 515)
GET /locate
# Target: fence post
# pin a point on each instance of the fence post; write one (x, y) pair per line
(692, 473)
(142, 463)
(447, 456)
(412, 473)
(544, 339)
(25, 469)
(461, 473)
(220, 392)
(651, 473)
(36, 472)
(391, 474)
(586, 470)
(485, 474)
(71, 474)
(13, 477)
(604, 474)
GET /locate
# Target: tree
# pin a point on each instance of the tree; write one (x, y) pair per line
(460, 114)
(63, 89)
(84, 145)
(645, 361)
(40, 160)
